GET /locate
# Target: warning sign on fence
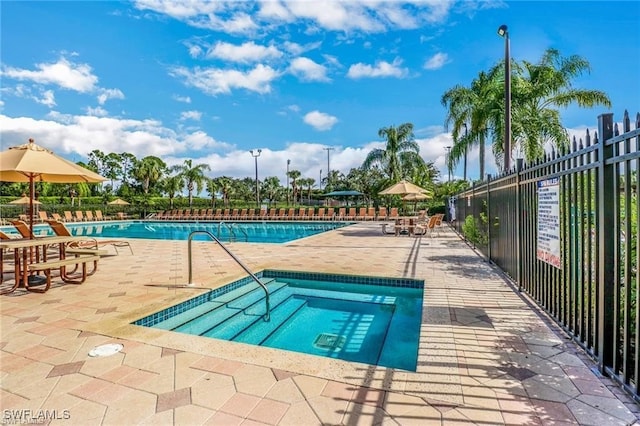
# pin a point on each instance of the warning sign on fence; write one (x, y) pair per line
(548, 249)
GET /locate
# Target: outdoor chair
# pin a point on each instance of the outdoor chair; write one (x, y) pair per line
(393, 213)
(68, 217)
(61, 230)
(88, 215)
(99, 216)
(43, 216)
(79, 216)
(331, 214)
(342, 213)
(302, 213)
(362, 214)
(320, 214)
(56, 216)
(382, 213)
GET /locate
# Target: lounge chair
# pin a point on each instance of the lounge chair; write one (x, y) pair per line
(90, 243)
(43, 216)
(320, 214)
(393, 214)
(342, 214)
(56, 216)
(371, 214)
(23, 229)
(362, 214)
(99, 216)
(68, 217)
(79, 216)
(88, 215)
(331, 214)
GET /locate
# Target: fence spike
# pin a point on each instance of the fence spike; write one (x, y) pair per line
(574, 148)
(626, 123)
(588, 138)
(581, 146)
(637, 120)
(616, 131)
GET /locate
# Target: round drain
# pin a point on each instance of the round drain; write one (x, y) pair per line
(106, 350)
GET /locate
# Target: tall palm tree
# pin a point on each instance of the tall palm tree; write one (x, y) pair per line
(401, 148)
(479, 108)
(225, 186)
(294, 175)
(308, 183)
(539, 90)
(271, 188)
(172, 185)
(148, 171)
(193, 176)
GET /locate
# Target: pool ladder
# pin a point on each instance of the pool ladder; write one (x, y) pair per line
(267, 315)
(232, 233)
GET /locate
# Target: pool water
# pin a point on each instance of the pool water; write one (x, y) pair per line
(362, 319)
(253, 232)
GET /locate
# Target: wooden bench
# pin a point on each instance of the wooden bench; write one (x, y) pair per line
(61, 264)
(81, 251)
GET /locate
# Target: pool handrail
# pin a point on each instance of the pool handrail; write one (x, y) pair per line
(267, 315)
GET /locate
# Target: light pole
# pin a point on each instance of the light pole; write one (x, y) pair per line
(448, 148)
(504, 32)
(288, 162)
(320, 181)
(255, 156)
(465, 152)
(328, 167)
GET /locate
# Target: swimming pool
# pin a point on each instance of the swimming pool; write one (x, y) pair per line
(363, 319)
(253, 232)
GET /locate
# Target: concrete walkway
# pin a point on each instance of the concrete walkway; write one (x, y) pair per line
(486, 355)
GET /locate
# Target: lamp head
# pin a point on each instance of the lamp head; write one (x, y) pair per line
(503, 31)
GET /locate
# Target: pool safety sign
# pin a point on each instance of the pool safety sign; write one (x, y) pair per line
(548, 249)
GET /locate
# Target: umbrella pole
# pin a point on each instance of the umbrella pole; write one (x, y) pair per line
(31, 191)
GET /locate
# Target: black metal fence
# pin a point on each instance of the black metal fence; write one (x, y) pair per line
(566, 231)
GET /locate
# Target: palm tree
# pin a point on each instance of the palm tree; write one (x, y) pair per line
(193, 176)
(271, 188)
(480, 106)
(401, 148)
(224, 185)
(294, 175)
(308, 183)
(539, 90)
(148, 171)
(172, 185)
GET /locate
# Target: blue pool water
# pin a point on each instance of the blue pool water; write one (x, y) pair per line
(254, 232)
(362, 319)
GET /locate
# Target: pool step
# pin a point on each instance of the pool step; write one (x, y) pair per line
(209, 320)
(239, 320)
(180, 321)
(279, 315)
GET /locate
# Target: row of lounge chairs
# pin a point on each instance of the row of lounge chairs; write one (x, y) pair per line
(77, 216)
(302, 213)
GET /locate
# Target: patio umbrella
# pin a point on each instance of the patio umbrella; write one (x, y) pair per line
(24, 201)
(118, 202)
(403, 188)
(31, 163)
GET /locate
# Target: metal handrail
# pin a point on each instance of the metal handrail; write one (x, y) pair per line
(267, 315)
(232, 235)
(244, 231)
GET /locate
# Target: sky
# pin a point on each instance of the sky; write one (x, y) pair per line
(309, 81)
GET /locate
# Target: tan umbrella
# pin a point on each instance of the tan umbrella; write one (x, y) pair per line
(403, 188)
(24, 200)
(31, 163)
(416, 197)
(118, 202)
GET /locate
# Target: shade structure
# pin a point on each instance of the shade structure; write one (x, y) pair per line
(416, 197)
(24, 201)
(403, 188)
(118, 202)
(33, 163)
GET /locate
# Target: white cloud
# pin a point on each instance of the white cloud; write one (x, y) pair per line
(240, 17)
(97, 111)
(380, 69)
(320, 120)
(106, 94)
(307, 70)
(214, 81)
(47, 99)
(191, 115)
(244, 53)
(63, 73)
(437, 61)
(195, 51)
(185, 99)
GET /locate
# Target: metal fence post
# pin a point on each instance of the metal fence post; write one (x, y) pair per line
(606, 290)
(518, 233)
(489, 217)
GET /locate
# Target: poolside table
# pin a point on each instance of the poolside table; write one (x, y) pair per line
(23, 256)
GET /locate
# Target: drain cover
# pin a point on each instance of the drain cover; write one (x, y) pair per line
(106, 350)
(329, 341)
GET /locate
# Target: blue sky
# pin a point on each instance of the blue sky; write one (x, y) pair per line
(209, 81)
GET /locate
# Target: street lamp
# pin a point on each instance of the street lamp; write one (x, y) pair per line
(465, 152)
(320, 181)
(328, 149)
(288, 162)
(504, 32)
(255, 157)
(448, 148)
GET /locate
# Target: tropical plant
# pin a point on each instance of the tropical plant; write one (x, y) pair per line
(294, 175)
(307, 183)
(400, 153)
(271, 188)
(149, 171)
(538, 92)
(477, 109)
(194, 176)
(172, 185)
